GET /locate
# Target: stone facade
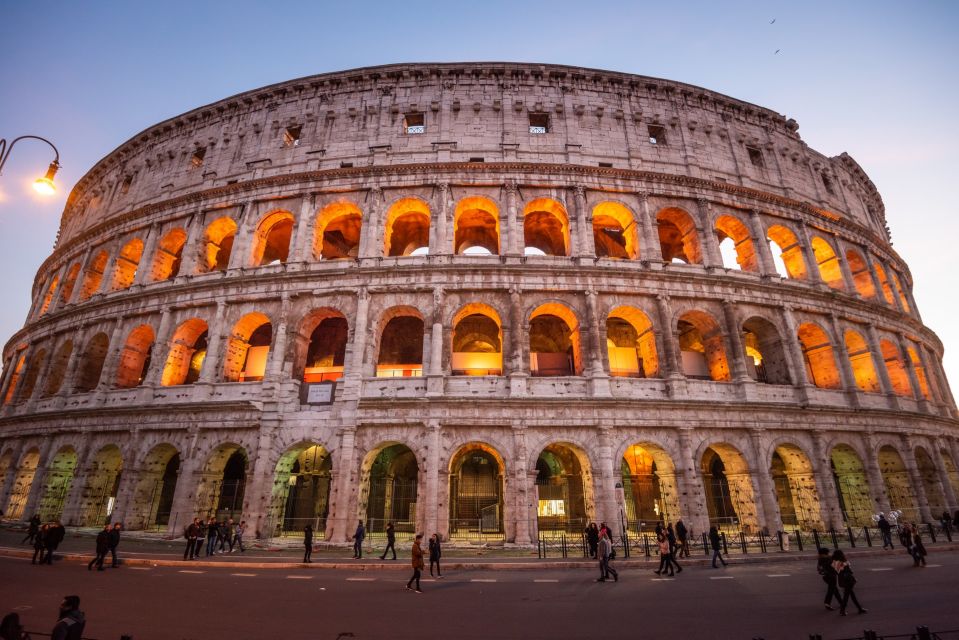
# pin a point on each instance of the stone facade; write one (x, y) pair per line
(540, 296)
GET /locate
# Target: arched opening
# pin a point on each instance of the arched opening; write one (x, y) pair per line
(787, 253)
(554, 342)
(863, 367)
(563, 483)
(21, 360)
(135, 357)
(545, 228)
(248, 349)
(920, 372)
(6, 462)
(614, 231)
(701, 347)
(222, 483)
(57, 483)
(218, 244)
(401, 345)
(187, 353)
(795, 484)
(476, 227)
(818, 357)
(650, 489)
(852, 486)
(93, 276)
(631, 344)
(929, 476)
(323, 335)
(169, 253)
(128, 261)
(861, 276)
(476, 493)
(391, 477)
(766, 360)
(48, 298)
(301, 490)
(477, 342)
(155, 487)
(33, 372)
(101, 489)
(896, 368)
(57, 370)
(902, 495)
(678, 238)
(828, 262)
(271, 242)
(897, 283)
(337, 232)
(88, 377)
(407, 229)
(69, 283)
(22, 482)
(729, 490)
(740, 252)
(884, 284)
(951, 471)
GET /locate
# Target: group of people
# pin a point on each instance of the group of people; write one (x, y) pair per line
(225, 536)
(416, 558)
(45, 539)
(107, 541)
(836, 572)
(909, 537)
(69, 626)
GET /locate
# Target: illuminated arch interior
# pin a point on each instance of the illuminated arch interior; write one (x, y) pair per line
(322, 338)
(476, 226)
(828, 262)
(187, 353)
(545, 228)
(678, 238)
(861, 276)
(135, 357)
(852, 486)
(614, 231)
(765, 353)
(477, 342)
(554, 341)
(93, 276)
(91, 365)
(407, 228)
(702, 347)
(218, 244)
(271, 242)
(787, 253)
(818, 356)
(248, 349)
(57, 370)
(337, 232)
(169, 254)
(631, 344)
(741, 254)
(128, 261)
(863, 366)
(301, 489)
(729, 492)
(401, 344)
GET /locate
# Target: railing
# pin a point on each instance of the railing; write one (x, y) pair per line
(921, 633)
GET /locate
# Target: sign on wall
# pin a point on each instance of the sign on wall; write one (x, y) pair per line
(317, 392)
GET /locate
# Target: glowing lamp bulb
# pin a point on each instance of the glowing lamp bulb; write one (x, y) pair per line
(44, 185)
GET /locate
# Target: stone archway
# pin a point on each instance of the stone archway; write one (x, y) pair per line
(477, 493)
(302, 481)
(902, 495)
(222, 485)
(730, 500)
(931, 485)
(651, 493)
(795, 484)
(57, 483)
(852, 486)
(389, 490)
(155, 487)
(101, 487)
(564, 489)
(20, 491)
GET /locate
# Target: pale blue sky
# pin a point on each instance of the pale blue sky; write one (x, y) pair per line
(879, 80)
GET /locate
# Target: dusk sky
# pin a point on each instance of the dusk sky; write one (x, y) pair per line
(879, 80)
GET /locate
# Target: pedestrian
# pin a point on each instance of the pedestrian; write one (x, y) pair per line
(606, 555)
(918, 548)
(230, 533)
(32, 529)
(945, 520)
(666, 560)
(211, 536)
(307, 543)
(682, 538)
(824, 568)
(358, 537)
(238, 535)
(417, 562)
(714, 542)
(671, 538)
(114, 543)
(390, 541)
(39, 544)
(222, 533)
(435, 553)
(846, 581)
(592, 539)
(905, 538)
(200, 537)
(885, 530)
(103, 545)
(70, 622)
(55, 535)
(11, 629)
(955, 520)
(609, 532)
(192, 533)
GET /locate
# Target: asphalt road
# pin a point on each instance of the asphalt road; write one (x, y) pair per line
(771, 601)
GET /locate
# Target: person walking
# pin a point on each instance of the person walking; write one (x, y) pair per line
(885, 530)
(846, 581)
(70, 621)
(55, 535)
(308, 543)
(592, 539)
(211, 536)
(230, 533)
(238, 535)
(671, 538)
(39, 544)
(32, 529)
(103, 545)
(192, 534)
(715, 543)
(222, 533)
(114, 543)
(390, 541)
(824, 568)
(605, 552)
(666, 560)
(918, 548)
(435, 553)
(417, 562)
(682, 538)
(358, 536)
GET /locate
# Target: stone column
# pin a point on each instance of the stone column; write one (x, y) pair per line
(441, 242)
(191, 252)
(258, 499)
(514, 223)
(845, 367)
(112, 361)
(434, 381)
(243, 241)
(129, 478)
(55, 298)
(301, 248)
(144, 266)
(524, 501)
(829, 507)
(518, 368)
(805, 245)
(711, 255)
(877, 486)
(931, 380)
(342, 506)
(849, 284)
(596, 372)
(650, 249)
(916, 479)
(360, 332)
(738, 355)
(767, 266)
(433, 519)
(217, 332)
(77, 356)
(952, 502)
(584, 225)
(911, 372)
(78, 284)
(770, 518)
(607, 509)
(183, 507)
(160, 349)
(693, 499)
(880, 364)
(274, 370)
(371, 238)
(791, 341)
(672, 366)
(870, 264)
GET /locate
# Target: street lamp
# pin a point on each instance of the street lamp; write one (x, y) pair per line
(42, 185)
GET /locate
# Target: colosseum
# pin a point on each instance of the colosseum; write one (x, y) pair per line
(484, 299)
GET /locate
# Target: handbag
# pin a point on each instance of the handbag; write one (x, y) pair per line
(612, 554)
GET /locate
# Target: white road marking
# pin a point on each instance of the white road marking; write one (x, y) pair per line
(361, 579)
(299, 577)
(721, 577)
(140, 568)
(933, 565)
(545, 580)
(776, 575)
(663, 579)
(483, 580)
(190, 571)
(882, 569)
(244, 575)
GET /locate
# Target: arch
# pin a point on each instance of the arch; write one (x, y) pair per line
(895, 476)
(248, 349)
(36, 363)
(69, 283)
(476, 226)
(730, 502)
(302, 481)
(400, 352)
(477, 473)
(218, 244)
(152, 499)
(863, 366)
(931, 485)
(564, 489)
(168, 256)
(91, 363)
(766, 359)
(794, 481)
(407, 228)
(336, 234)
(93, 276)
(884, 283)
(861, 276)
(57, 369)
(916, 363)
(389, 478)
(554, 341)
(852, 486)
(818, 356)
(128, 261)
(949, 464)
(477, 342)
(896, 368)
(22, 483)
(828, 263)
(21, 360)
(48, 298)
(546, 228)
(6, 463)
(787, 252)
(101, 487)
(650, 487)
(702, 347)
(678, 237)
(56, 484)
(320, 351)
(271, 240)
(614, 231)
(731, 230)
(631, 344)
(135, 357)
(187, 353)
(897, 283)
(222, 485)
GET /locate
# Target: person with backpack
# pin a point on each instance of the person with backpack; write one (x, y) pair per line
(103, 545)
(606, 555)
(390, 541)
(358, 538)
(55, 534)
(682, 538)
(885, 530)
(715, 543)
(846, 581)
(918, 550)
(192, 533)
(824, 568)
(435, 553)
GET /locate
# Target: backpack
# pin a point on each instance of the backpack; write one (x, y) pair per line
(846, 579)
(186, 532)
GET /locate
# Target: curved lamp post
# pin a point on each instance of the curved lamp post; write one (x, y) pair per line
(42, 185)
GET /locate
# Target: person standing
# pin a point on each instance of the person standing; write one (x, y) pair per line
(671, 538)
(230, 533)
(918, 548)
(114, 543)
(417, 562)
(103, 545)
(715, 543)
(32, 529)
(39, 544)
(390, 541)
(682, 537)
(222, 533)
(824, 568)
(666, 560)
(238, 535)
(192, 534)
(885, 530)
(358, 536)
(435, 553)
(70, 621)
(308, 543)
(55, 535)
(846, 581)
(605, 552)
(211, 536)
(592, 539)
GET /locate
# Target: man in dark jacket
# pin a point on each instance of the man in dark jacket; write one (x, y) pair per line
(358, 538)
(114, 543)
(55, 535)
(682, 536)
(39, 544)
(71, 620)
(307, 543)
(390, 541)
(103, 545)
(716, 543)
(211, 529)
(192, 535)
(885, 529)
(828, 573)
(33, 529)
